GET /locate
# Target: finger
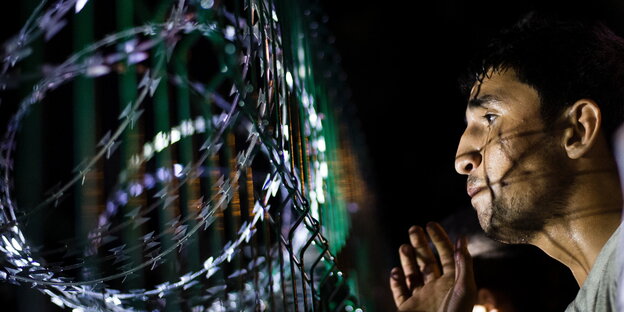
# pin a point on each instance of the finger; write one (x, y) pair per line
(463, 263)
(413, 277)
(400, 293)
(444, 247)
(424, 256)
(465, 289)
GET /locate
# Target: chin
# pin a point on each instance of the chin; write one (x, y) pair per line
(505, 232)
(485, 217)
(494, 228)
(480, 205)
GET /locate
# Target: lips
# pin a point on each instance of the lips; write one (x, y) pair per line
(473, 190)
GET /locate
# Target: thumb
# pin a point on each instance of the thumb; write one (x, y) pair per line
(465, 289)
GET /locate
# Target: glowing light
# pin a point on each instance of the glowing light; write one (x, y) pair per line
(175, 135)
(148, 151)
(208, 263)
(137, 58)
(479, 308)
(97, 70)
(135, 161)
(186, 128)
(177, 170)
(229, 252)
(161, 141)
(315, 208)
(207, 4)
(80, 4)
(289, 80)
(313, 118)
(16, 244)
(324, 170)
(302, 71)
(285, 131)
(149, 181)
(305, 100)
(230, 32)
(122, 197)
(200, 124)
(320, 197)
(8, 246)
(321, 144)
(301, 54)
(136, 189)
(163, 174)
(286, 156)
(129, 46)
(56, 300)
(113, 299)
(314, 205)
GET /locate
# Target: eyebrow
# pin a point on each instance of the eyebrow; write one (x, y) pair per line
(483, 100)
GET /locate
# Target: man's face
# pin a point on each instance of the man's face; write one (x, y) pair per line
(519, 175)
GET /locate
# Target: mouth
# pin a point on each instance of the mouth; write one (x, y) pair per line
(474, 190)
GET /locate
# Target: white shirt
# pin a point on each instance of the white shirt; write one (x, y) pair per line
(599, 291)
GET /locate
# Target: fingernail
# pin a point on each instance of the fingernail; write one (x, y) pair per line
(394, 274)
(405, 249)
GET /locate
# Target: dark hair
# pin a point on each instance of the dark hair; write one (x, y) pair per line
(565, 60)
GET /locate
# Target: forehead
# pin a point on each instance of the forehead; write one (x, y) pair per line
(502, 88)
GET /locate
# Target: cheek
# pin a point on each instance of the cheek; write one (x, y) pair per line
(506, 158)
(497, 162)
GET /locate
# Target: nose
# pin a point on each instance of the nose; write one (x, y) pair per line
(468, 157)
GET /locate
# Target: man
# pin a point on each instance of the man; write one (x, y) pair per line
(544, 100)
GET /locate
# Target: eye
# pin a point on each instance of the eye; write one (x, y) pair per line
(490, 118)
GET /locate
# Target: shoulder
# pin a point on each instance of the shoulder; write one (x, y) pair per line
(599, 291)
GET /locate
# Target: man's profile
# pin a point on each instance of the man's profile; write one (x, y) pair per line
(544, 99)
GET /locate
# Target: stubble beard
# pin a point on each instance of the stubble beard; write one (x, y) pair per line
(517, 218)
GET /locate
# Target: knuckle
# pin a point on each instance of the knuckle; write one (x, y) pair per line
(425, 257)
(428, 269)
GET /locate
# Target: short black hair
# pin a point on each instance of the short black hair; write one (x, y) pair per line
(564, 59)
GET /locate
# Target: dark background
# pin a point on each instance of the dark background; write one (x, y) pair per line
(403, 60)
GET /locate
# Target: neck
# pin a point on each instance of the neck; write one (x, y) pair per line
(592, 216)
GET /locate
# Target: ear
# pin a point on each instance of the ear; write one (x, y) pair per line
(583, 126)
